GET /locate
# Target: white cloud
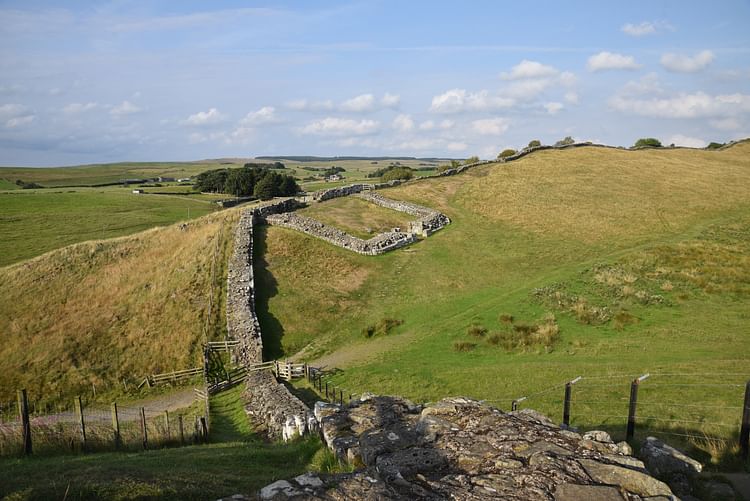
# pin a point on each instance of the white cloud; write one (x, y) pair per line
(639, 30)
(19, 121)
(645, 28)
(697, 105)
(16, 115)
(305, 105)
(457, 146)
(265, 115)
(686, 64)
(646, 85)
(490, 126)
(447, 124)
(390, 100)
(553, 108)
(726, 124)
(529, 69)
(458, 100)
(332, 126)
(691, 142)
(403, 123)
(427, 125)
(202, 118)
(571, 97)
(124, 108)
(74, 108)
(612, 61)
(359, 104)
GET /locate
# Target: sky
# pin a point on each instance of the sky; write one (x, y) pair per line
(90, 82)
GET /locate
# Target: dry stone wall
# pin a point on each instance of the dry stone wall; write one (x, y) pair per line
(464, 449)
(429, 220)
(378, 244)
(266, 400)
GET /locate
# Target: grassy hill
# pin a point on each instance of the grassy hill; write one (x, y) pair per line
(577, 262)
(101, 312)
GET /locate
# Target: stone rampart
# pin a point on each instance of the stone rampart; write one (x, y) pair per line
(269, 402)
(461, 448)
(379, 244)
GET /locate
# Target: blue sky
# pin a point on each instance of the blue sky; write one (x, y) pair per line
(85, 82)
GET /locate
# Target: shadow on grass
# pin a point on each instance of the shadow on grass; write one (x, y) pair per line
(266, 287)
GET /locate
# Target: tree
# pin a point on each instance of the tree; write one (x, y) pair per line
(714, 146)
(240, 182)
(509, 152)
(534, 143)
(288, 187)
(648, 141)
(565, 141)
(265, 189)
(211, 180)
(398, 173)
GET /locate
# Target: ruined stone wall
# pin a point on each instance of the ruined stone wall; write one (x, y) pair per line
(461, 448)
(429, 220)
(269, 402)
(378, 244)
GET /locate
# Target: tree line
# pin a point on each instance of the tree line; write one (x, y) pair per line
(250, 180)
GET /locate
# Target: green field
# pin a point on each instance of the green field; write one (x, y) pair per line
(236, 461)
(33, 222)
(357, 217)
(647, 250)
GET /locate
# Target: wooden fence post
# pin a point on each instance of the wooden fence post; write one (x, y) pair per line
(196, 430)
(632, 407)
(23, 413)
(204, 429)
(745, 427)
(116, 426)
(326, 390)
(166, 425)
(79, 414)
(566, 403)
(144, 428)
(341, 397)
(182, 430)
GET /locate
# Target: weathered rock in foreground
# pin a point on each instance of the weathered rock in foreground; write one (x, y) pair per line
(464, 449)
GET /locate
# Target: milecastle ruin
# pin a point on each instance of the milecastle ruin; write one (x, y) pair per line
(458, 448)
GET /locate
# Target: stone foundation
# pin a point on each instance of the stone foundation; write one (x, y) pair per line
(378, 244)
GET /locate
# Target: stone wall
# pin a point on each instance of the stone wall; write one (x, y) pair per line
(378, 244)
(266, 400)
(429, 220)
(464, 449)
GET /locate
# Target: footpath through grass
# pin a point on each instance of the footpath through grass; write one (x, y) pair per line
(237, 460)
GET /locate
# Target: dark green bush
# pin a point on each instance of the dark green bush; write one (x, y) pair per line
(507, 153)
(534, 143)
(648, 141)
(565, 141)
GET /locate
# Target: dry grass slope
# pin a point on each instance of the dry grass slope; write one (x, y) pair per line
(103, 311)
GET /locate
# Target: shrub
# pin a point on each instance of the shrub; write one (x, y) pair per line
(623, 318)
(383, 327)
(534, 143)
(506, 318)
(476, 330)
(714, 146)
(463, 346)
(648, 141)
(565, 141)
(402, 173)
(507, 153)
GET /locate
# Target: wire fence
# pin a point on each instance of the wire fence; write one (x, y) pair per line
(707, 410)
(89, 428)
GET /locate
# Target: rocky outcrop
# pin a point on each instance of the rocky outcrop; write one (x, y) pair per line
(269, 402)
(671, 465)
(378, 244)
(464, 449)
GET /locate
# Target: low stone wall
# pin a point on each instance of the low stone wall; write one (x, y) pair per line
(266, 400)
(464, 449)
(338, 191)
(379, 244)
(429, 220)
